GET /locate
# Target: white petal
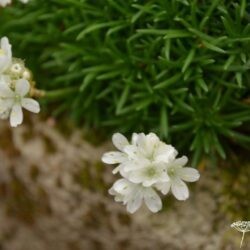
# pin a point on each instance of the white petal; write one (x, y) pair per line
(141, 140)
(165, 153)
(6, 104)
(116, 170)
(152, 200)
(6, 46)
(114, 157)
(164, 187)
(16, 115)
(3, 63)
(31, 105)
(22, 87)
(3, 3)
(131, 151)
(152, 138)
(118, 197)
(164, 177)
(120, 141)
(179, 189)
(136, 164)
(5, 90)
(149, 182)
(112, 191)
(126, 167)
(122, 186)
(6, 58)
(182, 161)
(135, 201)
(151, 143)
(189, 174)
(134, 138)
(136, 176)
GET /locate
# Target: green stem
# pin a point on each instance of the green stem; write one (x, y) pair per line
(59, 93)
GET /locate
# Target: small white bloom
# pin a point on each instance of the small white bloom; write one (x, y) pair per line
(145, 164)
(148, 157)
(178, 174)
(145, 155)
(132, 195)
(12, 101)
(5, 54)
(119, 157)
(4, 3)
(146, 173)
(243, 227)
(151, 148)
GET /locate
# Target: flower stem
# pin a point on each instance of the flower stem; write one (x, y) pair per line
(54, 94)
(242, 238)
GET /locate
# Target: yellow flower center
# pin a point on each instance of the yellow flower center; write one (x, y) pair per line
(18, 98)
(171, 172)
(151, 172)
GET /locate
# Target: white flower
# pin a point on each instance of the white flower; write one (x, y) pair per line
(145, 157)
(132, 195)
(5, 54)
(146, 173)
(147, 164)
(151, 148)
(178, 174)
(118, 157)
(3, 3)
(243, 227)
(148, 157)
(12, 101)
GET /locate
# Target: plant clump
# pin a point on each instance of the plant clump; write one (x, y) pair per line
(179, 68)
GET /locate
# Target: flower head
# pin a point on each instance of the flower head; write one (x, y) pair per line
(243, 227)
(15, 84)
(147, 159)
(177, 175)
(132, 195)
(146, 165)
(13, 99)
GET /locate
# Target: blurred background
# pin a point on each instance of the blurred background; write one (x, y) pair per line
(179, 68)
(54, 196)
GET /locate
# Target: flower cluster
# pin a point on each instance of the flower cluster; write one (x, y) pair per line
(4, 3)
(243, 227)
(147, 165)
(15, 86)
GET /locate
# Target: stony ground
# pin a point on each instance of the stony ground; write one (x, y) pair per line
(53, 195)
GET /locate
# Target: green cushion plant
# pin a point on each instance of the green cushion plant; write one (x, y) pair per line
(179, 68)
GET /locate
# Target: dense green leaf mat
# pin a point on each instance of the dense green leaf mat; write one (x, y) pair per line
(176, 67)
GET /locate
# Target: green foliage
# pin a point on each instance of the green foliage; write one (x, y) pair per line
(179, 68)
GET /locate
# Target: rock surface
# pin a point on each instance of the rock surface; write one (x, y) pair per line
(53, 195)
